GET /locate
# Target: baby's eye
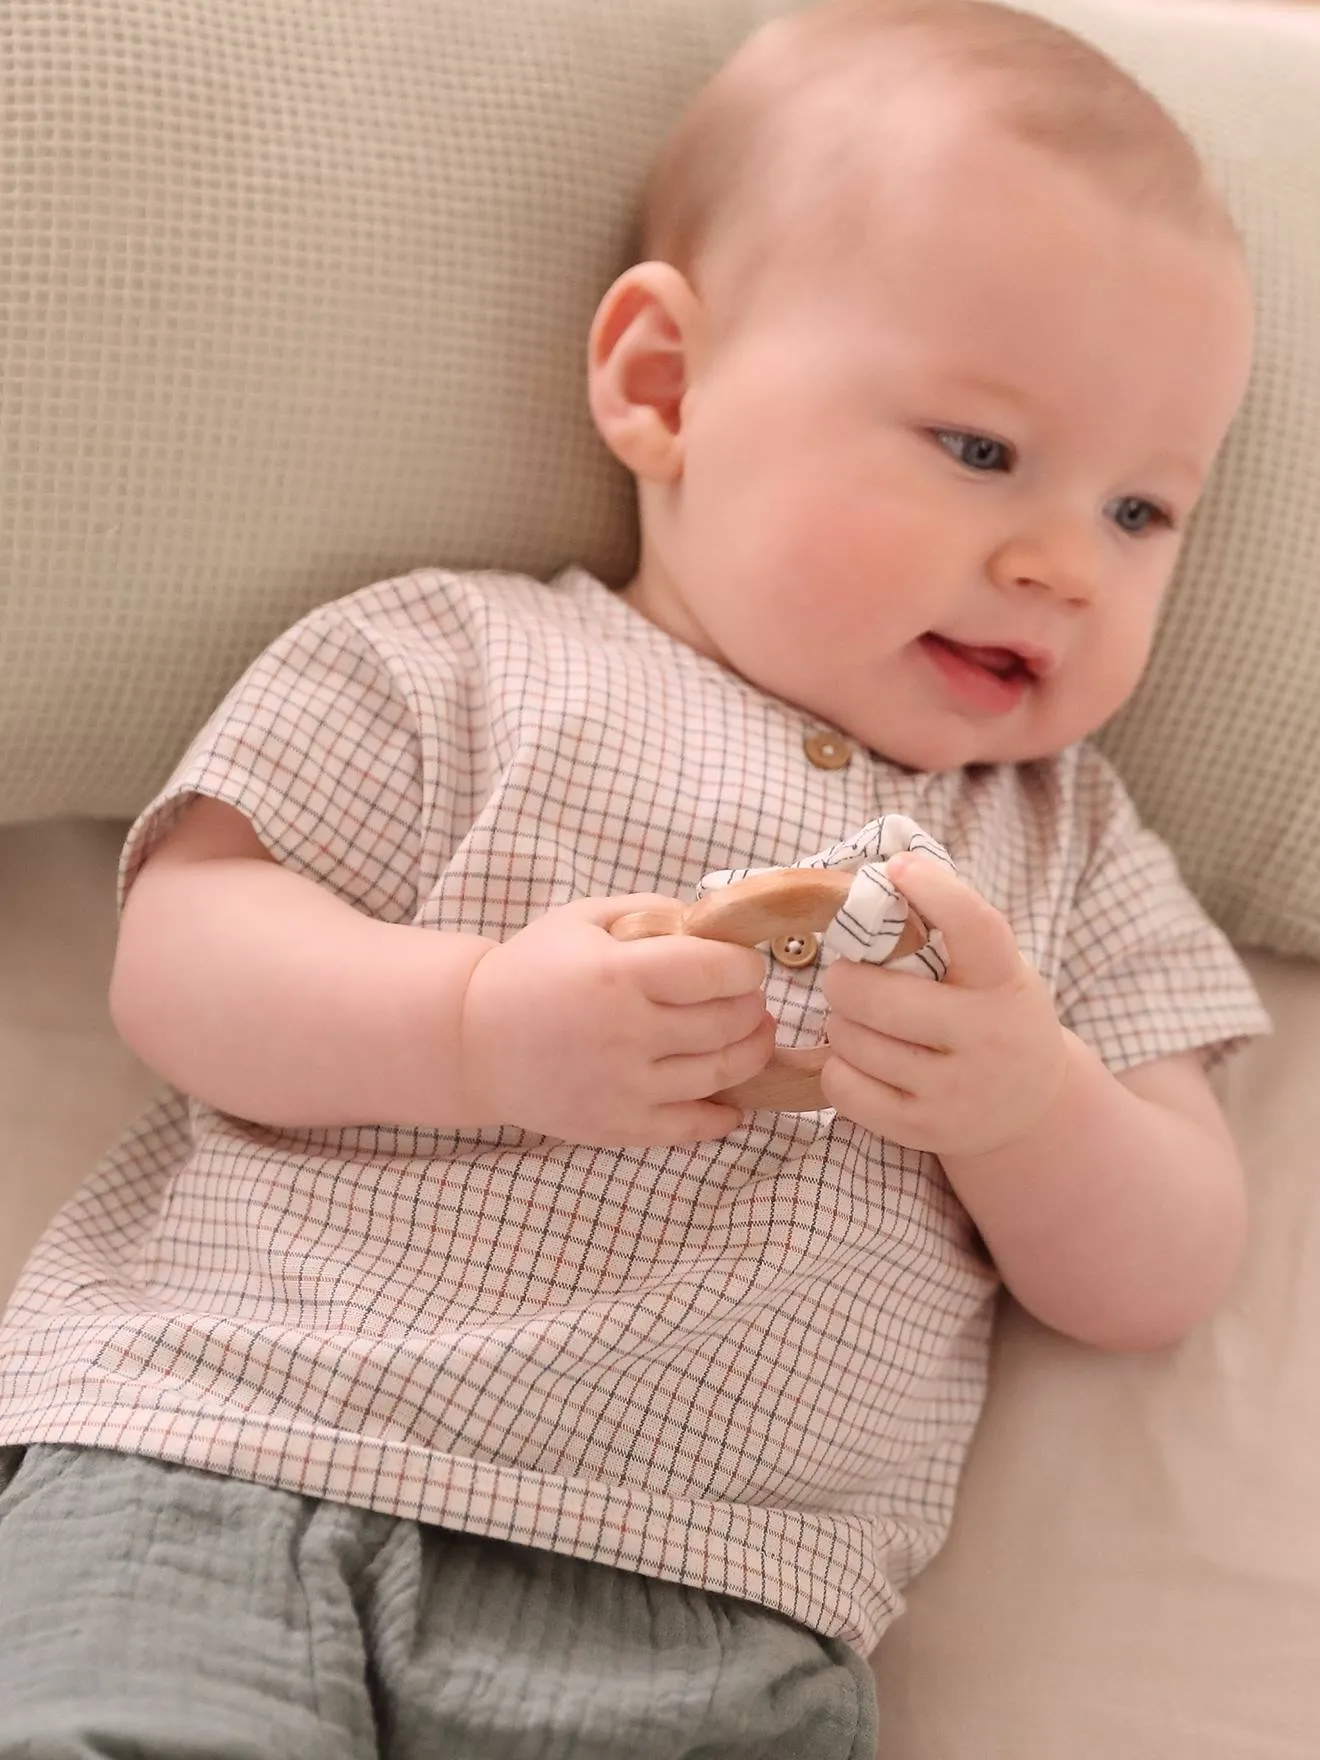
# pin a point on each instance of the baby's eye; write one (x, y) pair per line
(1134, 514)
(977, 451)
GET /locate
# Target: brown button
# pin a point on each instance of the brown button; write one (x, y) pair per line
(795, 950)
(827, 751)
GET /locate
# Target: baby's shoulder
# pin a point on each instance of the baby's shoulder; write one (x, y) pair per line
(425, 601)
(440, 609)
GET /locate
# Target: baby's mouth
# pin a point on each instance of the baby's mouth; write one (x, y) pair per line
(1004, 663)
(987, 680)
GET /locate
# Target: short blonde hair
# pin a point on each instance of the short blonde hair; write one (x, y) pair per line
(1036, 80)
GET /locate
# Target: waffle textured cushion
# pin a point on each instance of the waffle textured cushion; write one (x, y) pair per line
(294, 297)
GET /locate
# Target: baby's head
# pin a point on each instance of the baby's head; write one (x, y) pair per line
(938, 331)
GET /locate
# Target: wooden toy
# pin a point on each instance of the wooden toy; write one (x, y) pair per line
(789, 908)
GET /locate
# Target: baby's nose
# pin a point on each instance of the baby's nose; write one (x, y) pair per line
(1059, 559)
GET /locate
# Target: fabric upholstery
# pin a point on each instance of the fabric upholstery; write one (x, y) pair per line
(296, 299)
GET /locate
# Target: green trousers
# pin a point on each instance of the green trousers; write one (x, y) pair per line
(151, 1612)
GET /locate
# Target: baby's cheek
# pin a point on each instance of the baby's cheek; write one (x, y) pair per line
(1108, 670)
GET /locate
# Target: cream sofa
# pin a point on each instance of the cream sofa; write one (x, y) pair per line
(1135, 1568)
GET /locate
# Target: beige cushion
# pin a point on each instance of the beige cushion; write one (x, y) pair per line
(1134, 1572)
(68, 1086)
(300, 295)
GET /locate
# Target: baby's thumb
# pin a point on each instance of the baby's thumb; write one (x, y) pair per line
(639, 915)
(699, 1121)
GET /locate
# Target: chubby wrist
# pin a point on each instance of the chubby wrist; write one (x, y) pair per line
(478, 1039)
(1064, 1104)
(1119, 1219)
(435, 1087)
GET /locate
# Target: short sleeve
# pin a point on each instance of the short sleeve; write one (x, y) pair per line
(1145, 973)
(317, 746)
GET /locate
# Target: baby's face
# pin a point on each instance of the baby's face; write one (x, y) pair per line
(933, 492)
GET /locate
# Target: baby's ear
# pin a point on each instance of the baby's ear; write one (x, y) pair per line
(637, 368)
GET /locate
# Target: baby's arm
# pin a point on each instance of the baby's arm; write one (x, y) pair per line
(265, 995)
(1113, 1205)
(1120, 1218)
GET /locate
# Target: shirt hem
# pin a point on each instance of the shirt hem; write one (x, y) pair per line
(723, 1548)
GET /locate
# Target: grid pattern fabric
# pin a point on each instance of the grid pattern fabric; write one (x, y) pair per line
(753, 1364)
(295, 297)
(869, 923)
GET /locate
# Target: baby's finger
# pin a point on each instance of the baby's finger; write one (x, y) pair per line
(656, 910)
(983, 951)
(696, 1075)
(693, 1121)
(899, 1004)
(887, 1111)
(707, 1026)
(683, 969)
(898, 1063)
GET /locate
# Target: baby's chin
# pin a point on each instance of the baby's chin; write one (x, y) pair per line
(931, 750)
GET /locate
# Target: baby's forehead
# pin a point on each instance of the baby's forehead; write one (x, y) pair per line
(819, 119)
(844, 182)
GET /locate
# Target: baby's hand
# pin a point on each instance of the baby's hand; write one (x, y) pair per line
(961, 1067)
(574, 1034)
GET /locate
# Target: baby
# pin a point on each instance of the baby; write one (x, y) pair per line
(440, 1367)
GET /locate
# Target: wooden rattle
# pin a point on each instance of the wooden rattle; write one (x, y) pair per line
(782, 906)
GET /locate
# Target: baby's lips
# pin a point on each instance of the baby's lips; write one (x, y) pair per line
(1004, 658)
